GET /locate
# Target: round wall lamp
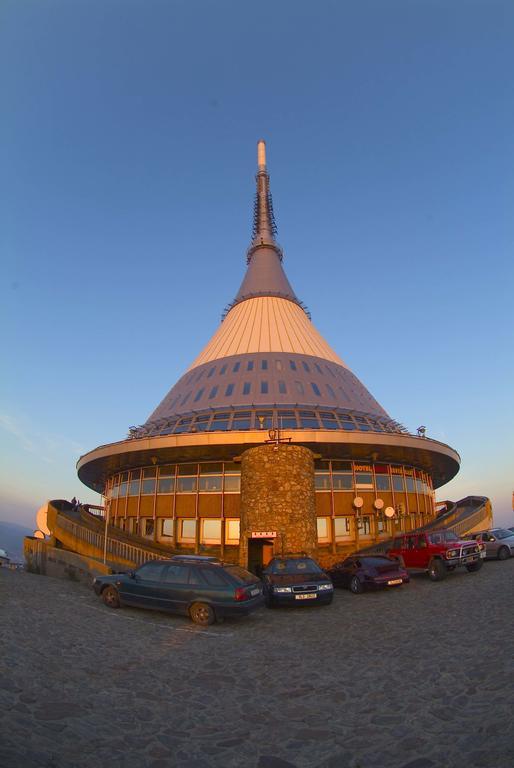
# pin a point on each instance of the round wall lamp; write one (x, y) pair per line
(358, 502)
(389, 512)
(378, 503)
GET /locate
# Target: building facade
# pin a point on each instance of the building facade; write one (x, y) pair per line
(268, 442)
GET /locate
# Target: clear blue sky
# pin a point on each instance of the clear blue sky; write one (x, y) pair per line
(127, 139)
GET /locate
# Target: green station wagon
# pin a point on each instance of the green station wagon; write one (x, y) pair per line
(203, 588)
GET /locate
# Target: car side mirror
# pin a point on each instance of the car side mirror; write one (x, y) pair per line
(132, 574)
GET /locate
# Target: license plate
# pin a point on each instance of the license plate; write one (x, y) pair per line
(310, 596)
(391, 582)
(255, 592)
(482, 554)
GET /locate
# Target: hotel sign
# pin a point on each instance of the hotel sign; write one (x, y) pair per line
(263, 535)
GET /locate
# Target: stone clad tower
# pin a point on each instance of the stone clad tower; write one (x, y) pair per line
(268, 442)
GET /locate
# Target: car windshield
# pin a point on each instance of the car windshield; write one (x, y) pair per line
(374, 562)
(502, 533)
(298, 565)
(240, 575)
(441, 536)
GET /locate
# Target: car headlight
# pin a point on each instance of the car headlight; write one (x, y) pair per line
(452, 553)
(325, 586)
(282, 589)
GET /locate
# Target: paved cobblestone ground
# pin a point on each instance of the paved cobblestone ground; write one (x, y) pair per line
(418, 677)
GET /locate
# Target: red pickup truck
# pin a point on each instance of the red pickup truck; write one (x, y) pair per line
(436, 552)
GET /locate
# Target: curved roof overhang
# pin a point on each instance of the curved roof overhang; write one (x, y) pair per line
(440, 461)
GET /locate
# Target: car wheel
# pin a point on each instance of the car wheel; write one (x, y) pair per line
(202, 614)
(111, 597)
(356, 585)
(475, 566)
(503, 553)
(436, 570)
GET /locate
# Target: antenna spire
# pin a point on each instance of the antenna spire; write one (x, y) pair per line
(261, 154)
(264, 227)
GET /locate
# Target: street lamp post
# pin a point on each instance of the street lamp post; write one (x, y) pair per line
(107, 508)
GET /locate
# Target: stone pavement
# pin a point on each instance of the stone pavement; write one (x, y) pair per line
(418, 677)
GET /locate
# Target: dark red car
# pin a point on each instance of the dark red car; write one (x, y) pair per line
(360, 572)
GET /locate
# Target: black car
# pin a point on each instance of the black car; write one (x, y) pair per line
(203, 588)
(361, 572)
(296, 580)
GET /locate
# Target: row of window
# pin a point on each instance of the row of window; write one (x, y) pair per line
(263, 387)
(218, 477)
(210, 530)
(371, 481)
(285, 418)
(351, 391)
(212, 477)
(341, 529)
(264, 365)
(214, 531)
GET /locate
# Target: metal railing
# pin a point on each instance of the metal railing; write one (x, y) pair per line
(116, 549)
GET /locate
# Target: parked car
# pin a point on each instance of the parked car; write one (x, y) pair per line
(436, 553)
(360, 572)
(296, 580)
(203, 588)
(499, 542)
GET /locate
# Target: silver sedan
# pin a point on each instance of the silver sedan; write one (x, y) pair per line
(499, 542)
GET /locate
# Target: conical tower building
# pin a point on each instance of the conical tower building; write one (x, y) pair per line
(268, 441)
(267, 352)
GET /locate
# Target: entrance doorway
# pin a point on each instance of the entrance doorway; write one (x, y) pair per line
(260, 552)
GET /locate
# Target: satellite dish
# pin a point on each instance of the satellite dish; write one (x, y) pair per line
(378, 503)
(42, 520)
(358, 502)
(38, 534)
(389, 512)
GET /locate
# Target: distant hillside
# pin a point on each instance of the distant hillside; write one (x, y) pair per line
(11, 539)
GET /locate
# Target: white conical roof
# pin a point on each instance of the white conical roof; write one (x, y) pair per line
(266, 324)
